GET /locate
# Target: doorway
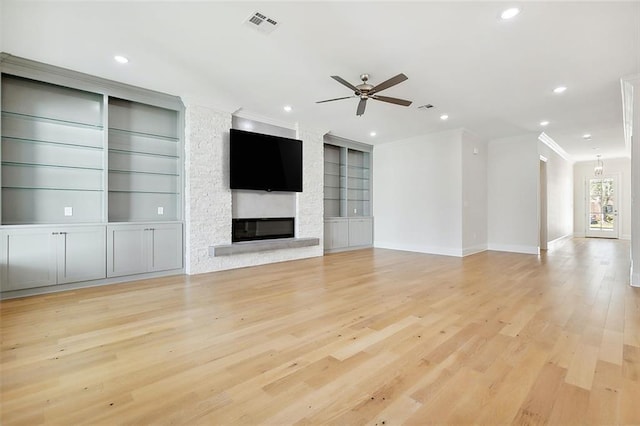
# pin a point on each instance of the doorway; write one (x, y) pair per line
(602, 207)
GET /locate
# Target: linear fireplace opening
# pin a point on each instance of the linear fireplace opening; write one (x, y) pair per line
(252, 229)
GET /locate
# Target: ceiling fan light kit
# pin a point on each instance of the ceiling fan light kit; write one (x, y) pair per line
(366, 91)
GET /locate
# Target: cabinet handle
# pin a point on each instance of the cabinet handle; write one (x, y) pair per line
(55, 233)
(63, 233)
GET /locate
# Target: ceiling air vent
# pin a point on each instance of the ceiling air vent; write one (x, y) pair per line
(426, 106)
(262, 23)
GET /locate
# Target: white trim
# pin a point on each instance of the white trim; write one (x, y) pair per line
(559, 240)
(332, 139)
(52, 74)
(473, 250)
(191, 101)
(514, 248)
(626, 87)
(625, 237)
(443, 251)
(546, 139)
(635, 277)
(241, 113)
(543, 158)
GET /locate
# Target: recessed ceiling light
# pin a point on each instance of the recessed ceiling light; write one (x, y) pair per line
(288, 108)
(372, 134)
(120, 59)
(544, 123)
(510, 13)
(444, 117)
(586, 136)
(560, 89)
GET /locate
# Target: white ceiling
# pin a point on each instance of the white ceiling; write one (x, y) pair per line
(493, 77)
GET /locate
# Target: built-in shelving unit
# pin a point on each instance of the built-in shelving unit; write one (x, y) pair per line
(52, 153)
(91, 180)
(335, 184)
(358, 183)
(347, 182)
(347, 194)
(144, 162)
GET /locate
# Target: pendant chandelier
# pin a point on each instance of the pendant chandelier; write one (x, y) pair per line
(598, 170)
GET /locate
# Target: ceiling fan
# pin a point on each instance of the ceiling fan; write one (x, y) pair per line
(366, 91)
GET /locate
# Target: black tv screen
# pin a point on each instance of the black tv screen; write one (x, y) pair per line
(265, 162)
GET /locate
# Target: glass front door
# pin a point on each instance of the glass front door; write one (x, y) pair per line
(602, 207)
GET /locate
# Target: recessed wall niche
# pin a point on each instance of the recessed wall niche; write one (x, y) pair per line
(247, 204)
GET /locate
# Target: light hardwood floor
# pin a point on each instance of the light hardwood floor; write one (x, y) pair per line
(374, 336)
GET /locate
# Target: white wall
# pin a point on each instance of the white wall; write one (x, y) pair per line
(582, 172)
(208, 200)
(559, 194)
(474, 155)
(512, 178)
(631, 113)
(417, 184)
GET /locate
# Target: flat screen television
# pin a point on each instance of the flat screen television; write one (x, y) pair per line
(265, 162)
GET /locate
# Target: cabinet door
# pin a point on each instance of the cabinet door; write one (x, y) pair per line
(337, 232)
(28, 258)
(81, 254)
(166, 247)
(126, 250)
(360, 232)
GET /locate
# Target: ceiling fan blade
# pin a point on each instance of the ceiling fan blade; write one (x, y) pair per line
(345, 82)
(336, 99)
(361, 106)
(391, 82)
(396, 101)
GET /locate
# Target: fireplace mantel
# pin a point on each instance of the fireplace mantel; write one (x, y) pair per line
(261, 245)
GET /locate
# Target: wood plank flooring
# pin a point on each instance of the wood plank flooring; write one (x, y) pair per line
(375, 337)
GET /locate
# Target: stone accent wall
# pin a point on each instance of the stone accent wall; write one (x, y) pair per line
(310, 202)
(207, 193)
(208, 200)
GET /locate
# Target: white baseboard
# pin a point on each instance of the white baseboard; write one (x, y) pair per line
(514, 248)
(635, 277)
(558, 240)
(583, 235)
(418, 248)
(474, 249)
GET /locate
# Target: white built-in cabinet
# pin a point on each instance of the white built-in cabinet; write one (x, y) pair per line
(91, 179)
(347, 195)
(348, 233)
(139, 248)
(336, 233)
(360, 231)
(44, 256)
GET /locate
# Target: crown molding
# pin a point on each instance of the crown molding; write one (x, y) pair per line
(35, 70)
(627, 85)
(347, 143)
(548, 141)
(247, 115)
